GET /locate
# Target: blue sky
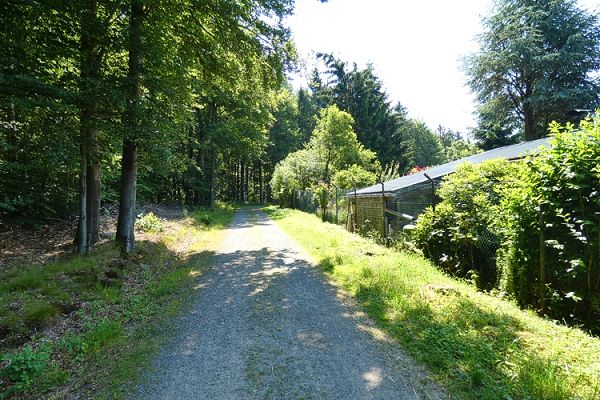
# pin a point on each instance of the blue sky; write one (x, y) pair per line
(416, 47)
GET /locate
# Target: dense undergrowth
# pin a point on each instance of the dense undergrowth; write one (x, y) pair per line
(478, 345)
(84, 325)
(529, 228)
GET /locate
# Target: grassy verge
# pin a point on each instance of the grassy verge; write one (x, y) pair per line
(84, 326)
(479, 346)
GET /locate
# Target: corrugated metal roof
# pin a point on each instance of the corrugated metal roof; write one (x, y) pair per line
(508, 152)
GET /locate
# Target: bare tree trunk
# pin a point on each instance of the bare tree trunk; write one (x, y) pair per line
(81, 241)
(93, 189)
(246, 182)
(126, 223)
(213, 177)
(89, 172)
(261, 188)
(13, 141)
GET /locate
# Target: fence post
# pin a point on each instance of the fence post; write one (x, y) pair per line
(355, 211)
(432, 191)
(336, 203)
(542, 292)
(383, 211)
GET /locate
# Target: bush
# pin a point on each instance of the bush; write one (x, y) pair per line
(551, 219)
(149, 223)
(22, 368)
(461, 235)
(531, 228)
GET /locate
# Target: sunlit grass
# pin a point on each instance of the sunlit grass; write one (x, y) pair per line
(479, 346)
(121, 307)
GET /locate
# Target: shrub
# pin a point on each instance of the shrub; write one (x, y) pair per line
(149, 223)
(551, 219)
(461, 235)
(22, 369)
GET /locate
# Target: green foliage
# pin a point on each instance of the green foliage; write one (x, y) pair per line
(100, 334)
(360, 93)
(516, 72)
(461, 235)
(542, 216)
(556, 202)
(454, 147)
(120, 326)
(333, 147)
(354, 177)
(37, 314)
(425, 147)
(22, 369)
(149, 223)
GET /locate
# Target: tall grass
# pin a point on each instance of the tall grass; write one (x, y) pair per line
(478, 345)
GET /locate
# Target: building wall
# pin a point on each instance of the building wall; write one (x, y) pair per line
(366, 210)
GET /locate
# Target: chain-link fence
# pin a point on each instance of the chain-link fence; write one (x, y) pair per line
(405, 205)
(335, 211)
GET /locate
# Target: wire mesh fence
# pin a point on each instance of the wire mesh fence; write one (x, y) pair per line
(335, 211)
(405, 205)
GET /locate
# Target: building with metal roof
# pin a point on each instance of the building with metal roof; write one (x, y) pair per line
(389, 206)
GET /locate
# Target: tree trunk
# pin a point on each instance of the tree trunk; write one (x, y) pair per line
(126, 223)
(529, 123)
(81, 241)
(261, 189)
(213, 177)
(528, 115)
(13, 141)
(89, 180)
(93, 190)
(246, 182)
(214, 117)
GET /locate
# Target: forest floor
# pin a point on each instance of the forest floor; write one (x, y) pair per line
(83, 326)
(265, 323)
(53, 239)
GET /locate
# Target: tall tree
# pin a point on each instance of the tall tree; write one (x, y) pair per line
(425, 148)
(535, 63)
(126, 222)
(360, 93)
(94, 25)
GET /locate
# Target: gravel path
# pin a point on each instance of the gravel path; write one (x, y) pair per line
(267, 325)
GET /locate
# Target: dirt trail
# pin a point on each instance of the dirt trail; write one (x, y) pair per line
(266, 325)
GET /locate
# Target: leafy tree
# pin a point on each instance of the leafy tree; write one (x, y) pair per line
(284, 134)
(459, 149)
(360, 93)
(336, 144)
(461, 235)
(332, 148)
(534, 66)
(454, 147)
(307, 111)
(354, 177)
(425, 148)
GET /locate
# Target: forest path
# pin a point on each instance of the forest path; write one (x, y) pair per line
(265, 324)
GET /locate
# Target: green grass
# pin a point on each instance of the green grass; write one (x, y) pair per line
(121, 310)
(478, 345)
